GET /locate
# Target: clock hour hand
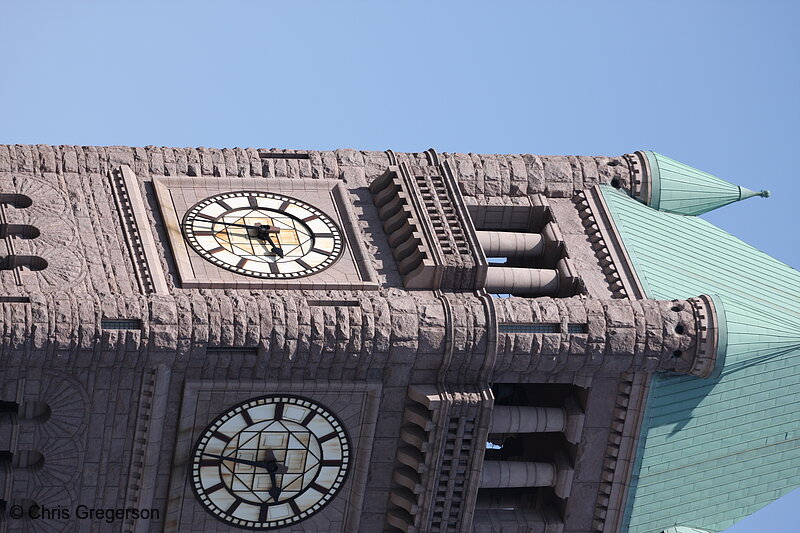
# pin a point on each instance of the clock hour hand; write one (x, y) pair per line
(273, 469)
(275, 490)
(275, 249)
(263, 232)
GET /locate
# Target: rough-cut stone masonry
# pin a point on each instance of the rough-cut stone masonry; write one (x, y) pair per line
(113, 391)
(621, 336)
(480, 175)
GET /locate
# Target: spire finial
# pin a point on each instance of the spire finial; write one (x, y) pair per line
(668, 185)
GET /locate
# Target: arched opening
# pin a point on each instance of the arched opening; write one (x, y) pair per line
(27, 459)
(19, 201)
(22, 459)
(532, 445)
(38, 411)
(29, 262)
(8, 408)
(21, 231)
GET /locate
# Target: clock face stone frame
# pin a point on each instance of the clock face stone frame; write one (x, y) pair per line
(351, 270)
(205, 401)
(306, 439)
(309, 240)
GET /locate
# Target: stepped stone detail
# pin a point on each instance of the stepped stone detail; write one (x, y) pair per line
(424, 218)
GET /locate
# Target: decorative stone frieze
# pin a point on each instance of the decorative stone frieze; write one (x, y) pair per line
(610, 253)
(438, 463)
(427, 227)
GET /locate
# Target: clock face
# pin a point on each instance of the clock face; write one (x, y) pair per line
(262, 234)
(270, 462)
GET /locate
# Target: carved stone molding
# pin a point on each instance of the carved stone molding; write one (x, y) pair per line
(138, 231)
(610, 252)
(428, 226)
(441, 445)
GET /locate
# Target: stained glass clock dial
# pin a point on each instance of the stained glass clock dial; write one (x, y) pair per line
(262, 234)
(270, 462)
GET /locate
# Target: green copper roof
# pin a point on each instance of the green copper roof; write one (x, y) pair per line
(715, 450)
(679, 188)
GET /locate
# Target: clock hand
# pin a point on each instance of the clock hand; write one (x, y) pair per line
(263, 233)
(275, 490)
(273, 469)
(278, 467)
(261, 228)
(269, 465)
(275, 249)
(235, 225)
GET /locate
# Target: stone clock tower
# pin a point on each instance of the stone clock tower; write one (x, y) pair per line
(241, 339)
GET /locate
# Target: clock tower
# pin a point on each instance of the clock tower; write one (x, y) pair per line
(348, 341)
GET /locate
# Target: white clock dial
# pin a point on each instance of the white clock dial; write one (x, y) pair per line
(262, 234)
(270, 462)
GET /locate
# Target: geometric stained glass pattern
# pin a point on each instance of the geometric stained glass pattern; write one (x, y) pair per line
(270, 462)
(262, 234)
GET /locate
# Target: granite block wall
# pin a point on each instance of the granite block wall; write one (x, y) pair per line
(97, 381)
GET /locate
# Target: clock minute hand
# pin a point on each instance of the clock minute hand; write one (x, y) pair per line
(235, 225)
(260, 464)
(263, 232)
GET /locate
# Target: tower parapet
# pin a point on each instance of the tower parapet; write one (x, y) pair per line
(546, 335)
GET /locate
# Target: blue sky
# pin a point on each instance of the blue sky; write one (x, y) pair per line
(713, 84)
